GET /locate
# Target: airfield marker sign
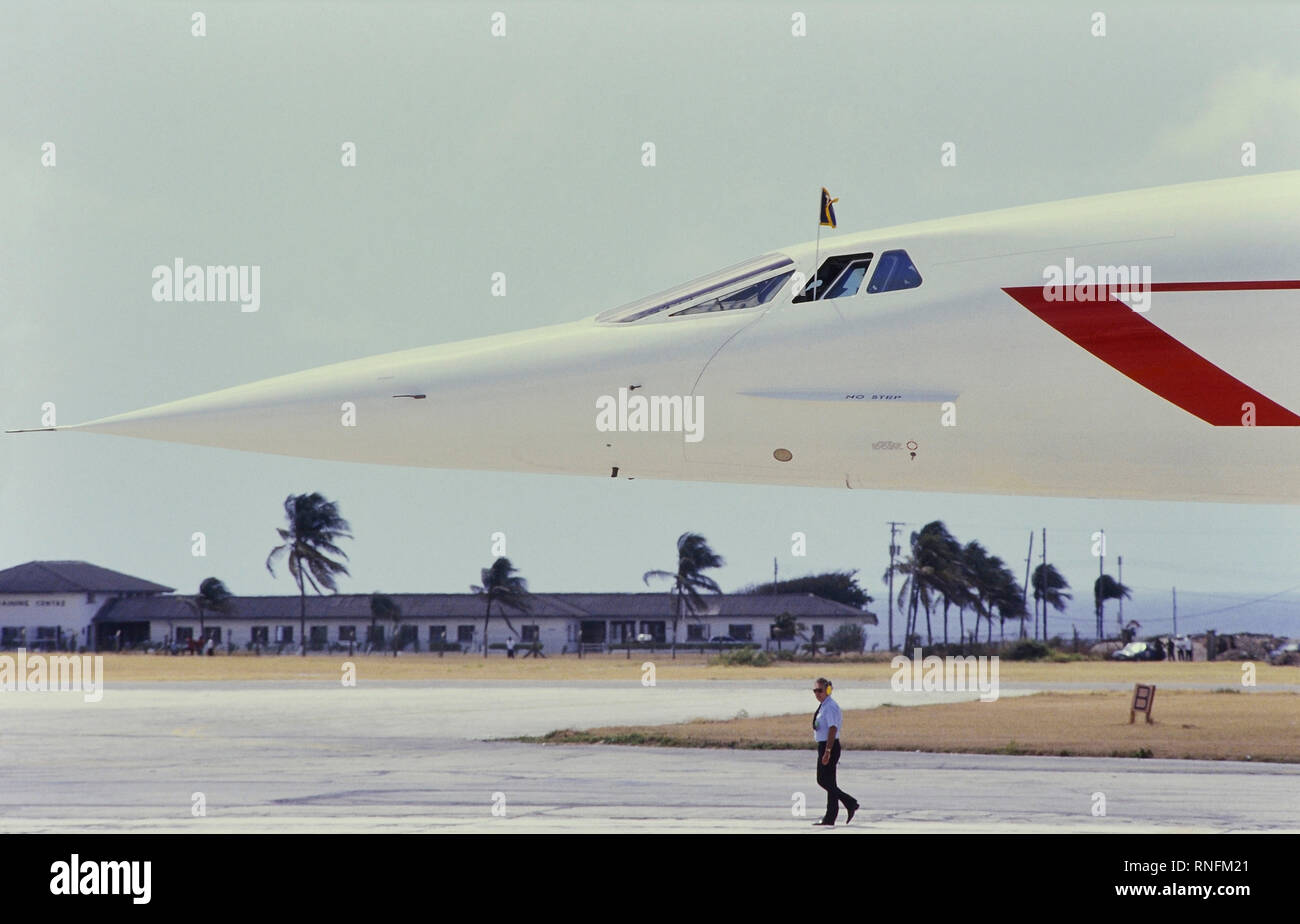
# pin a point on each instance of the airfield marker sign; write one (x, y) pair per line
(1144, 696)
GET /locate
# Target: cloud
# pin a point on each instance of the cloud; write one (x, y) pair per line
(1257, 102)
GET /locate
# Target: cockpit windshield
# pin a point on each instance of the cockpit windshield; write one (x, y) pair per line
(745, 285)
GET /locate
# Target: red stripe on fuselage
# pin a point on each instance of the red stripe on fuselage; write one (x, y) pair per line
(1125, 340)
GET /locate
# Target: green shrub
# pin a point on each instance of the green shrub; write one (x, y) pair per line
(847, 638)
(749, 656)
(1027, 649)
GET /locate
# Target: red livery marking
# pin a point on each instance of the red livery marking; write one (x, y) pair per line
(1125, 340)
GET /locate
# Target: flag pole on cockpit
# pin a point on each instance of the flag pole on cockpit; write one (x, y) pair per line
(825, 218)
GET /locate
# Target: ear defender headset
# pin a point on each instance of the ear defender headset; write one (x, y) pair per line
(829, 687)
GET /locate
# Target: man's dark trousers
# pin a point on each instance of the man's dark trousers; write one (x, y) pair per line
(826, 780)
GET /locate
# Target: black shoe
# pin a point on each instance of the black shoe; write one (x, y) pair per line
(823, 824)
(853, 810)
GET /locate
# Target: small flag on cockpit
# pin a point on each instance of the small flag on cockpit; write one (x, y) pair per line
(827, 215)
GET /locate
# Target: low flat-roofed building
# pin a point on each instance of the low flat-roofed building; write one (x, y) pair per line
(59, 604)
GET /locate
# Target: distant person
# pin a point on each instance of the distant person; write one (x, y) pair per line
(510, 646)
(828, 722)
(1169, 643)
(209, 647)
(1186, 644)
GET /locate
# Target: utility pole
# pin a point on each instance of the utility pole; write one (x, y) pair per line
(1101, 572)
(893, 551)
(1175, 612)
(1120, 580)
(774, 580)
(1044, 578)
(1029, 559)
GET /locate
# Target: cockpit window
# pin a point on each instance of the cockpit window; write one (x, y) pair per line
(895, 271)
(748, 297)
(838, 277)
(741, 286)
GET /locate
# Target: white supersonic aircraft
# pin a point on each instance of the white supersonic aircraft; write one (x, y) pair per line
(1133, 345)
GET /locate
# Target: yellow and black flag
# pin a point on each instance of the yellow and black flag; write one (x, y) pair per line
(827, 215)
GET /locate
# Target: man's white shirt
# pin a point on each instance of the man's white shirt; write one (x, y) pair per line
(829, 715)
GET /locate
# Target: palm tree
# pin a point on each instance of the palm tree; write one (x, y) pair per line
(1103, 589)
(980, 569)
(693, 556)
(926, 571)
(213, 596)
(383, 607)
(949, 578)
(1050, 589)
(1010, 600)
(315, 527)
(501, 584)
(783, 627)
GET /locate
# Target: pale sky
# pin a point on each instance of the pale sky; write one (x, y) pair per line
(521, 154)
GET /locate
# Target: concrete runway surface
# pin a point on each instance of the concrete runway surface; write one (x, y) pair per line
(411, 757)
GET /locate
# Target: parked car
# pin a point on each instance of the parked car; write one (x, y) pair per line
(1140, 651)
(1288, 653)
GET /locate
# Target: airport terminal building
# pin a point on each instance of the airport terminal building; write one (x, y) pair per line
(59, 604)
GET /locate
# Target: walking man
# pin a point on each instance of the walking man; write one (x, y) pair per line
(828, 723)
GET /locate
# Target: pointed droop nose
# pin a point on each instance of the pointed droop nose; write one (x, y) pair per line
(524, 401)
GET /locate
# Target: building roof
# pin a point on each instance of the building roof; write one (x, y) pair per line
(52, 577)
(652, 605)
(285, 609)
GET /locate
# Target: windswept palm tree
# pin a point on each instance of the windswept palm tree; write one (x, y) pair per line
(1050, 589)
(981, 571)
(1103, 589)
(949, 579)
(315, 527)
(924, 571)
(1010, 601)
(213, 597)
(693, 557)
(502, 584)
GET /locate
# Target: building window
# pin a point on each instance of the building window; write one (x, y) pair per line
(528, 633)
(284, 634)
(465, 634)
(697, 632)
(819, 633)
(437, 634)
(11, 636)
(621, 632)
(260, 635)
(318, 636)
(184, 633)
(212, 632)
(741, 633)
(347, 633)
(656, 629)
